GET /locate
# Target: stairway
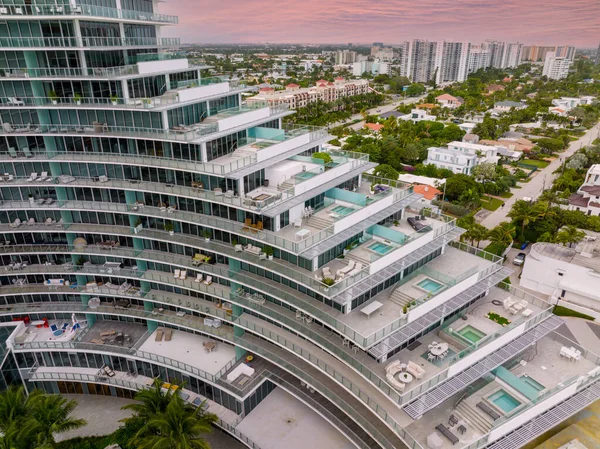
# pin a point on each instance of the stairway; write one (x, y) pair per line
(473, 417)
(401, 298)
(319, 223)
(286, 185)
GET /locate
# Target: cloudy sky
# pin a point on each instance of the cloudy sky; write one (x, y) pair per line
(575, 22)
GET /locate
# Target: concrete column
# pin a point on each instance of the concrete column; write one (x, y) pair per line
(234, 266)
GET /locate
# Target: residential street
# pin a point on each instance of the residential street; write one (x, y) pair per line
(543, 179)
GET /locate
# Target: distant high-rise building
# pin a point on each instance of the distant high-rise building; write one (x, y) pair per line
(377, 44)
(421, 61)
(512, 55)
(451, 61)
(535, 53)
(566, 52)
(345, 57)
(495, 53)
(404, 55)
(376, 67)
(556, 67)
(598, 56)
(479, 58)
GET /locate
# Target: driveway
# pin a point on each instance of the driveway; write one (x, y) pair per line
(543, 179)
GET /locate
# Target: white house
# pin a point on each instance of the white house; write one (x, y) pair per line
(467, 127)
(506, 106)
(417, 115)
(449, 101)
(587, 198)
(461, 157)
(570, 276)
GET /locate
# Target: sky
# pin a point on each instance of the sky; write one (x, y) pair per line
(540, 22)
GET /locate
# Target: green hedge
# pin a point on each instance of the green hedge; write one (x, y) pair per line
(564, 311)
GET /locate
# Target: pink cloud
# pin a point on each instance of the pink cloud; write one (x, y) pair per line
(392, 21)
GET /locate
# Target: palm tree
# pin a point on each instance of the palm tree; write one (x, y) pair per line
(569, 235)
(152, 401)
(476, 233)
(15, 405)
(503, 234)
(526, 213)
(50, 415)
(180, 426)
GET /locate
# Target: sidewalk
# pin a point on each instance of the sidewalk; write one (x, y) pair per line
(543, 178)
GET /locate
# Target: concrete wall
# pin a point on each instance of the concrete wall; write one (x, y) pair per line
(151, 67)
(243, 118)
(363, 214)
(282, 147)
(195, 93)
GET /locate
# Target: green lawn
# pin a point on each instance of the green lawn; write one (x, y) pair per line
(490, 203)
(538, 164)
(506, 195)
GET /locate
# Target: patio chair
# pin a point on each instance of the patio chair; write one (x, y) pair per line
(31, 221)
(431, 357)
(109, 371)
(183, 275)
(247, 225)
(199, 277)
(159, 334)
(12, 152)
(298, 223)
(32, 178)
(16, 223)
(208, 280)
(54, 328)
(27, 152)
(218, 191)
(168, 334)
(176, 273)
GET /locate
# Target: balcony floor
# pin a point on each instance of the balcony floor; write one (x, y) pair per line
(281, 420)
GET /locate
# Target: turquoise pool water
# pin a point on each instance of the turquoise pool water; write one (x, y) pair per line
(306, 175)
(471, 333)
(430, 285)
(504, 400)
(380, 248)
(342, 210)
(532, 382)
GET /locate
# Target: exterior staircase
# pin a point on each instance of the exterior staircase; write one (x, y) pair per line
(319, 223)
(482, 423)
(285, 186)
(400, 298)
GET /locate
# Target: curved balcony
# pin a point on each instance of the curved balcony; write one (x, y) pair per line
(86, 43)
(81, 11)
(317, 378)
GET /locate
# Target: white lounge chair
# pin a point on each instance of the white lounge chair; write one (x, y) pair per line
(44, 177)
(183, 275)
(347, 269)
(33, 177)
(16, 223)
(176, 273)
(31, 221)
(327, 273)
(199, 277)
(208, 280)
(103, 178)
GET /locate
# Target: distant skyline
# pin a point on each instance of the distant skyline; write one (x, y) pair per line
(540, 22)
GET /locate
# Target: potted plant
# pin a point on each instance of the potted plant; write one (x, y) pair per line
(328, 282)
(405, 309)
(30, 199)
(396, 222)
(347, 249)
(77, 98)
(207, 235)
(170, 228)
(269, 252)
(53, 96)
(147, 102)
(234, 242)
(113, 99)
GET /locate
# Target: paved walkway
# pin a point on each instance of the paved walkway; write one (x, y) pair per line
(543, 179)
(104, 412)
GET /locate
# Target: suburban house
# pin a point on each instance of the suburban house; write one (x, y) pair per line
(461, 157)
(587, 198)
(506, 106)
(417, 115)
(449, 101)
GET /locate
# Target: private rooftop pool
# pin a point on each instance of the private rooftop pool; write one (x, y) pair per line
(471, 333)
(504, 401)
(429, 285)
(342, 211)
(380, 248)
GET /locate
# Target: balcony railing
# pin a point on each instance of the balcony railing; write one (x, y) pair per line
(85, 11)
(86, 42)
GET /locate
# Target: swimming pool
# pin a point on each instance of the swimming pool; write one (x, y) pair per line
(380, 248)
(430, 285)
(532, 382)
(305, 175)
(342, 210)
(471, 333)
(505, 401)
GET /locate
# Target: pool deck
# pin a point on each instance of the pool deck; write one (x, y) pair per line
(541, 362)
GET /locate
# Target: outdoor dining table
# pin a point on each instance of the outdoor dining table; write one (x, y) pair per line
(439, 349)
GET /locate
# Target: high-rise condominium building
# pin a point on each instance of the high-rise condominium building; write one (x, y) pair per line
(345, 57)
(479, 58)
(420, 62)
(451, 61)
(566, 51)
(556, 67)
(155, 226)
(598, 55)
(496, 52)
(512, 55)
(535, 53)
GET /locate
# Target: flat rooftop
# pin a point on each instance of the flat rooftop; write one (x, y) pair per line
(186, 347)
(282, 421)
(585, 254)
(540, 366)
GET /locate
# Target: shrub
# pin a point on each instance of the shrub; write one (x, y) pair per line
(324, 156)
(498, 319)
(564, 311)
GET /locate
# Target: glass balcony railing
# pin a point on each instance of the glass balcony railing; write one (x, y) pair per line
(74, 42)
(150, 57)
(85, 11)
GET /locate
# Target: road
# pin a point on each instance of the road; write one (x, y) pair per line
(543, 179)
(381, 109)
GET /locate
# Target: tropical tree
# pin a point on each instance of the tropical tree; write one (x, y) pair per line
(524, 212)
(180, 426)
(569, 234)
(503, 234)
(386, 171)
(151, 401)
(476, 233)
(15, 406)
(51, 415)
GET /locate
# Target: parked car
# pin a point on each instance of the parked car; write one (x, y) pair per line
(519, 259)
